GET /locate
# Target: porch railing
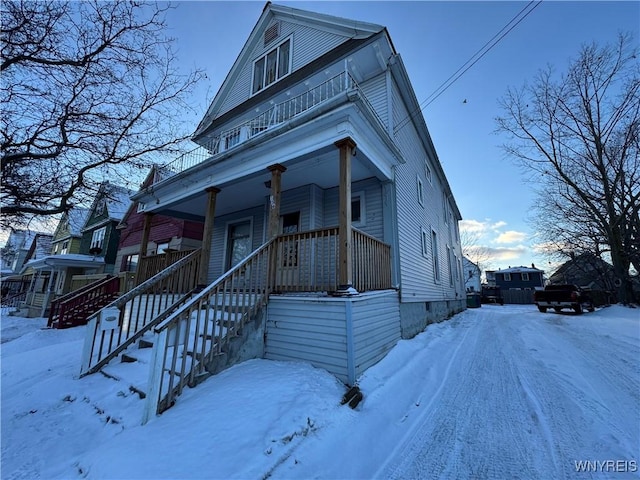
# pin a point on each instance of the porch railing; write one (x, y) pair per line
(193, 335)
(151, 265)
(277, 114)
(75, 307)
(123, 321)
(308, 262)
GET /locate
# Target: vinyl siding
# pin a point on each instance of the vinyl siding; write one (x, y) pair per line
(373, 221)
(416, 270)
(376, 328)
(375, 90)
(308, 44)
(315, 331)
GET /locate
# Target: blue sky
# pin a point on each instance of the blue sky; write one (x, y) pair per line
(435, 39)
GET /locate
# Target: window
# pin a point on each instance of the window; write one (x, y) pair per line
(427, 172)
(358, 217)
(444, 207)
(65, 248)
(97, 239)
(434, 253)
(425, 242)
(449, 260)
(272, 66)
(162, 247)
(130, 263)
(525, 276)
(507, 277)
(420, 191)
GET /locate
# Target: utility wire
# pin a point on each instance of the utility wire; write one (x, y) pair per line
(519, 17)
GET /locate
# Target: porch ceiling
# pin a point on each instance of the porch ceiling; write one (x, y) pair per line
(320, 167)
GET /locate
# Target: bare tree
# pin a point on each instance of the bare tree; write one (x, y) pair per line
(578, 137)
(476, 253)
(86, 87)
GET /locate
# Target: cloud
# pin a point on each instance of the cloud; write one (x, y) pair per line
(477, 226)
(471, 226)
(511, 236)
(506, 253)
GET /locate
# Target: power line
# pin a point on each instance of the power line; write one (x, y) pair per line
(519, 17)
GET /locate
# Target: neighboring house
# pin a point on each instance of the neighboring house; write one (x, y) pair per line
(100, 235)
(165, 234)
(15, 252)
(516, 278)
(322, 199)
(471, 276)
(84, 249)
(587, 271)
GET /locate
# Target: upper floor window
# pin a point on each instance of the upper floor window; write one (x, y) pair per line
(65, 247)
(525, 276)
(434, 253)
(272, 66)
(420, 187)
(425, 242)
(97, 239)
(427, 172)
(507, 277)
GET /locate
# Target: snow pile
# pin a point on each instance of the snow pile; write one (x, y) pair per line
(495, 392)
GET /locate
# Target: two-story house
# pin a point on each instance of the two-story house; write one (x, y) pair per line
(330, 230)
(516, 278)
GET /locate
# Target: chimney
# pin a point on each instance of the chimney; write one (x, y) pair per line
(533, 265)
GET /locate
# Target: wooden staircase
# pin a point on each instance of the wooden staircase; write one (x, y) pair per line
(74, 308)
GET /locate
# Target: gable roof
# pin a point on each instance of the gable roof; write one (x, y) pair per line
(343, 27)
(117, 200)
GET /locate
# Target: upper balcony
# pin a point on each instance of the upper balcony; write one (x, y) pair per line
(275, 115)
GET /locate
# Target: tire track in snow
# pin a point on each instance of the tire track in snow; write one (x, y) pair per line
(496, 418)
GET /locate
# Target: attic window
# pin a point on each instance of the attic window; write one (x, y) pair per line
(271, 33)
(272, 66)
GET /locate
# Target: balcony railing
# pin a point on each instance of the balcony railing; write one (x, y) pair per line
(276, 115)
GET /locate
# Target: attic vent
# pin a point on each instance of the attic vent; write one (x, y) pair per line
(271, 33)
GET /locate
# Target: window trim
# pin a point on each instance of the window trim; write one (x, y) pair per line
(424, 240)
(506, 277)
(436, 258)
(525, 277)
(263, 58)
(99, 234)
(420, 187)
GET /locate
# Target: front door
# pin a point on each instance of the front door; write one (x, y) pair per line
(239, 243)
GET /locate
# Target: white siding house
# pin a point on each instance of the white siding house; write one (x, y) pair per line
(315, 151)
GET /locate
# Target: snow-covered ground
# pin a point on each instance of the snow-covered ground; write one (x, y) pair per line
(495, 392)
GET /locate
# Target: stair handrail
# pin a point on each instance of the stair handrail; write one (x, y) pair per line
(106, 286)
(165, 289)
(55, 304)
(176, 328)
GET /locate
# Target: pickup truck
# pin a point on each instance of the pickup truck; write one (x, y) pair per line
(563, 296)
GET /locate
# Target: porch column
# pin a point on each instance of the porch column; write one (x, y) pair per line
(345, 237)
(274, 200)
(207, 235)
(50, 291)
(146, 229)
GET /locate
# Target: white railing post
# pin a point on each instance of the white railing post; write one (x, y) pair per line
(89, 340)
(156, 369)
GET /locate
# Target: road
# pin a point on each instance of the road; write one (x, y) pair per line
(527, 395)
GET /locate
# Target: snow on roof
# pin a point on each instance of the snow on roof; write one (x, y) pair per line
(118, 201)
(518, 270)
